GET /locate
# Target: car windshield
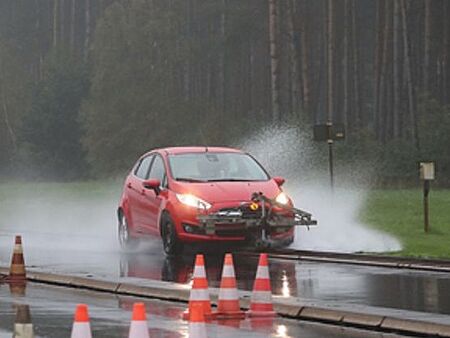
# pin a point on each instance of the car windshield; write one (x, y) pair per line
(209, 167)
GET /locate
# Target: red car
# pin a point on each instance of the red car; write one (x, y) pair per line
(205, 194)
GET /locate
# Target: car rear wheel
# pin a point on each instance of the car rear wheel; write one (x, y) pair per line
(171, 243)
(125, 239)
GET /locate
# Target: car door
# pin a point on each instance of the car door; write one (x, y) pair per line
(152, 200)
(136, 190)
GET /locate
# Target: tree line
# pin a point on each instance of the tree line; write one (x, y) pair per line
(88, 85)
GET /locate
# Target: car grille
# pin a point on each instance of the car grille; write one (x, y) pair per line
(222, 230)
(246, 212)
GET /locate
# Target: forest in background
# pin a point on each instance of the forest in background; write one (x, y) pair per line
(86, 86)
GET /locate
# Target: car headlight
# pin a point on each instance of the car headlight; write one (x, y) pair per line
(192, 201)
(282, 198)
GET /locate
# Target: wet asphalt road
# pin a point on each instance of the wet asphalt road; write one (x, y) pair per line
(400, 289)
(52, 311)
(346, 284)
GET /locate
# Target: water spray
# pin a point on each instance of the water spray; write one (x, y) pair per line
(290, 152)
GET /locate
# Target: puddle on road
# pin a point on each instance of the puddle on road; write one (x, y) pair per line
(311, 281)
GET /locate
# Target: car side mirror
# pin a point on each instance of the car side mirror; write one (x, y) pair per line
(152, 184)
(279, 180)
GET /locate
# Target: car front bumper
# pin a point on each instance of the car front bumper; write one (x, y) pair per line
(269, 224)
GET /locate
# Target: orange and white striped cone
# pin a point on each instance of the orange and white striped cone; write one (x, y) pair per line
(23, 328)
(17, 269)
(228, 304)
(261, 301)
(197, 326)
(199, 292)
(81, 327)
(139, 326)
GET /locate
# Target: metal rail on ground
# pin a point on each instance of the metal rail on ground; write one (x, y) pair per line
(437, 265)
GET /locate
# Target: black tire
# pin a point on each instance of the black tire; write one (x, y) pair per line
(125, 240)
(171, 243)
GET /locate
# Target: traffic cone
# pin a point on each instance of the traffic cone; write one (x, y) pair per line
(17, 269)
(197, 326)
(199, 292)
(228, 304)
(261, 301)
(23, 328)
(81, 327)
(138, 327)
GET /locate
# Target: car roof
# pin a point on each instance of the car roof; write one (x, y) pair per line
(197, 149)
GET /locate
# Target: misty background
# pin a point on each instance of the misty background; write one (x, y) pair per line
(87, 86)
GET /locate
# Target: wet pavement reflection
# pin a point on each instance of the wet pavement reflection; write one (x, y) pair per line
(180, 269)
(393, 288)
(346, 284)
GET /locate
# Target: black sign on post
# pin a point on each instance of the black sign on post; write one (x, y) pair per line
(338, 132)
(427, 174)
(329, 133)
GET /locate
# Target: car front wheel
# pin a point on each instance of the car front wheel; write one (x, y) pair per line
(125, 239)
(171, 243)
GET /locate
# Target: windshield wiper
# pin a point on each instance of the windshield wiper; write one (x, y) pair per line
(187, 179)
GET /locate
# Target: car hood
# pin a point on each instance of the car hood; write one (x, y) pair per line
(216, 192)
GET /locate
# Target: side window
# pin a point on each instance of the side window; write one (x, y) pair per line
(158, 171)
(142, 169)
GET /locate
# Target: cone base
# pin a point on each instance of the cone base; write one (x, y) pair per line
(230, 315)
(81, 330)
(254, 314)
(208, 316)
(139, 329)
(23, 330)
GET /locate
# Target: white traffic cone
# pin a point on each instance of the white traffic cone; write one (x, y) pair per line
(81, 327)
(139, 327)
